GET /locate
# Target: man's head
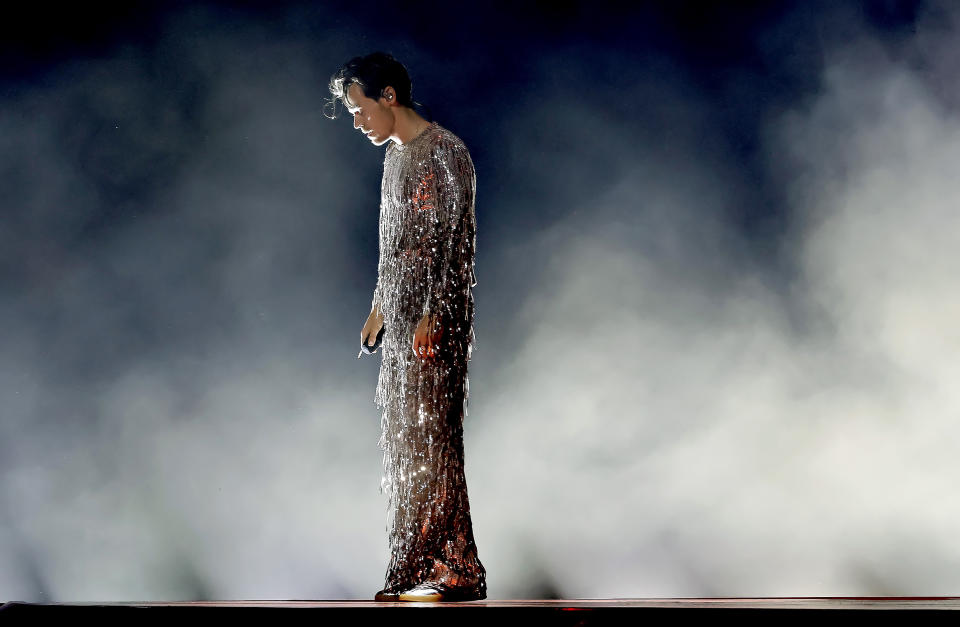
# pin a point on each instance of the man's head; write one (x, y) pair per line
(370, 87)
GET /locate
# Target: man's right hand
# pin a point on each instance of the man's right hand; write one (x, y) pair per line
(372, 327)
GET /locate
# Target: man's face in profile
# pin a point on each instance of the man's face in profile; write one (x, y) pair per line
(372, 117)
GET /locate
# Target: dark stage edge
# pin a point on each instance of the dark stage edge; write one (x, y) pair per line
(529, 611)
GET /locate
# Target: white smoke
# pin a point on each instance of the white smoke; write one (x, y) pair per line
(677, 433)
(653, 411)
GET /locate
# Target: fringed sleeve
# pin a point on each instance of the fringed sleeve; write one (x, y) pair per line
(445, 199)
(381, 266)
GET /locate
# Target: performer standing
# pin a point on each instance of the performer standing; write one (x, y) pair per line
(423, 304)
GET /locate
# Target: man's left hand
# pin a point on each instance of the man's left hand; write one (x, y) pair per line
(426, 339)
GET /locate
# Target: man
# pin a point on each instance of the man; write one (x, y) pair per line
(423, 304)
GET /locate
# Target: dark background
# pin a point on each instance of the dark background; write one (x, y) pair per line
(711, 236)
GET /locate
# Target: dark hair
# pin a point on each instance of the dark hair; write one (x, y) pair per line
(373, 73)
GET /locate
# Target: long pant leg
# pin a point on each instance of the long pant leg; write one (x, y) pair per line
(431, 534)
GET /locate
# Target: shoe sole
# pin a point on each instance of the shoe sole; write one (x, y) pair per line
(426, 598)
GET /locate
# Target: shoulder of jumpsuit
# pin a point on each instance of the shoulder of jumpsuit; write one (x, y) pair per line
(444, 146)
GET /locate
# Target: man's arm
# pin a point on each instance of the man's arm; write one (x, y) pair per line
(381, 266)
(445, 196)
(371, 328)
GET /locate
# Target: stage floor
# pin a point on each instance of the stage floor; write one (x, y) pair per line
(818, 603)
(529, 611)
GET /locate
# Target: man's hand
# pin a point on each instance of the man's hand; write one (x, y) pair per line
(426, 339)
(372, 327)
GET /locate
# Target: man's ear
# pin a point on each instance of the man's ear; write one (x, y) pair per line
(390, 95)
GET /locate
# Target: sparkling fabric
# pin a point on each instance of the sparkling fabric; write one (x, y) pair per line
(427, 247)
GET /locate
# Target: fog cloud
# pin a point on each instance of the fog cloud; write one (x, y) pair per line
(654, 410)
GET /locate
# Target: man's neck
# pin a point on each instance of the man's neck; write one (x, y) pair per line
(408, 124)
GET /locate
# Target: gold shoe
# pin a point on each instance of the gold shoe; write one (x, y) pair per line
(425, 593)
(383, 595)
(428, 592)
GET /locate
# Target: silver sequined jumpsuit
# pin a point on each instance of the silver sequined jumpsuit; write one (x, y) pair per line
(427, 247)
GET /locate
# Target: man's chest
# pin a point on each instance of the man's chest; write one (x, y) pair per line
(406, 205)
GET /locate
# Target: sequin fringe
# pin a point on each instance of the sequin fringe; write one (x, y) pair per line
(427, 251)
